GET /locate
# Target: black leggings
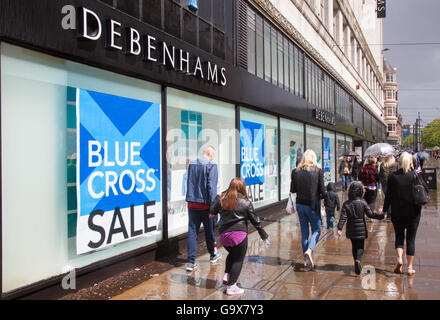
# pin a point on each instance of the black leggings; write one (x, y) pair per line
(411, 233)
(234, 261)
(357, 248)
(370, 197)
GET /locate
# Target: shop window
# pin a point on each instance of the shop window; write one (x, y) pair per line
(259, 169)
(314, 142)
(48, 239)
(292, 149)
(329, 156)
(195, 122)
(340, 150)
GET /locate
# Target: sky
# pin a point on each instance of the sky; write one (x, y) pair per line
(418, 66)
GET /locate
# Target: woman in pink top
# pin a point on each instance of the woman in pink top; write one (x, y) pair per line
(235, 211)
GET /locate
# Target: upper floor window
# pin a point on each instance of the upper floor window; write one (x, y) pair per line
(390, 94)
(390, 77)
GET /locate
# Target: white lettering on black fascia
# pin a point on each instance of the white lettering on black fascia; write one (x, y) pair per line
(147, 46)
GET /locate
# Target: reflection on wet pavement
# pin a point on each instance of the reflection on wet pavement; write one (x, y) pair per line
(278, 272)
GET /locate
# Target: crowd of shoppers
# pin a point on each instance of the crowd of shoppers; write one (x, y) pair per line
(307, 182)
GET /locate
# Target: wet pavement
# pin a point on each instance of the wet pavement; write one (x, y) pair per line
(277, 272)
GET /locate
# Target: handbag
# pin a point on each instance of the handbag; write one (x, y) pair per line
(291, 204)
(419, 192)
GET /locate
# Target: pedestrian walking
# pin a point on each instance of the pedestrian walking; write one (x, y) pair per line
(368, 176)
(388, 166)
(405, 213)
(353, 212)
(308, 184)
(344, 172)
(331, 203)
(356, 168)
(235, 211)
(201, 192)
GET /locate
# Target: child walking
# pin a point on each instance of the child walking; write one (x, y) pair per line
(331, 202)
(235, 211)
(353, 212)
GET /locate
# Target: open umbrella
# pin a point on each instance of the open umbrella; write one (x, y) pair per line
(423, 155)
(351, 154)
(436, 148)
(379, 150)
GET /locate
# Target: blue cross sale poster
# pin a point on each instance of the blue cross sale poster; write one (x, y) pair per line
(118, 170)
(252, 152)
(327, 155)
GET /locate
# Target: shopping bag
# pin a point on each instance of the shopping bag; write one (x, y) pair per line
(291, 204)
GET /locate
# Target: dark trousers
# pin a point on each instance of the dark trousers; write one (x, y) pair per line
(330, 213)
(357, 248)
(370, 197)
(410, 236)
(195, 219)
(234, 261)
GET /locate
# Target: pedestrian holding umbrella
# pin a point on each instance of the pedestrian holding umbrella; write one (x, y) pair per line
(379, 150)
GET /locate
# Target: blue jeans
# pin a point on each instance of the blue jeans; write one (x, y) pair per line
(308, 216)
(345, 181)
(195, 219)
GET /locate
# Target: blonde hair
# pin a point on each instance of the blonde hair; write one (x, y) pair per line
(308, 160)
(372, 160)
(389, 161)
(406, 162)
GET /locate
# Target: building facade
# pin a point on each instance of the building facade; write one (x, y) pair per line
(104, 103)
(391, 115)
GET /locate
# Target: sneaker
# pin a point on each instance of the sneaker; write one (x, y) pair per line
(226, 279)
(309, 260)
(234, 290)
(357, 267)
(191, 267)
(215, 258)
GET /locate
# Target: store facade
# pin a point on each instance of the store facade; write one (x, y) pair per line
(104, 104)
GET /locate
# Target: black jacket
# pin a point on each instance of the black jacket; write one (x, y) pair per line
(399, 196)
(331, 199)
(237, 219)
(354, 211)
(309, 187)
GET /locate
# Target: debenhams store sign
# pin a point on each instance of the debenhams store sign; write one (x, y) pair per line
(130, 41)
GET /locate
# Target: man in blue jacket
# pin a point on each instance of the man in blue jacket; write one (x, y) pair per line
(201, 192)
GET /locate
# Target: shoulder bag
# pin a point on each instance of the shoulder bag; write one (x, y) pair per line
(419, 192)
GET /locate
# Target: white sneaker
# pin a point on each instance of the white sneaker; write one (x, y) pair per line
(226, 279)
(234, 290)
(215, 258)
(309, 259)
(191, 267)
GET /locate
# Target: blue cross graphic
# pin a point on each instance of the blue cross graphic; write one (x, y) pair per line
(113, 119)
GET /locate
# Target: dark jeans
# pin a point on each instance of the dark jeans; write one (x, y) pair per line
(330, 212)
(234, 261)
(411, 233)
(195, 219)
(370, 197)
(357, 249)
